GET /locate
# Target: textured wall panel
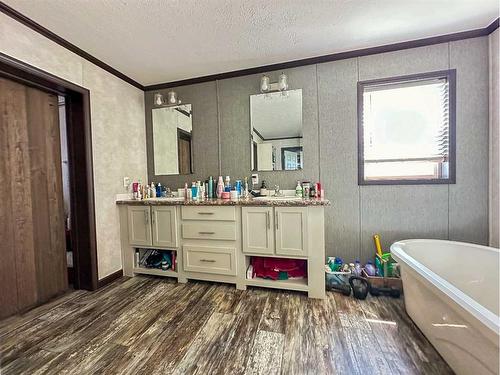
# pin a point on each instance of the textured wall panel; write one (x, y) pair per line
(402, 212)
(469, 197)
(234, 107)
(338, 156)
(118, 141)
(494, 40)
(404, 62)
(203, 98)
(398, 212)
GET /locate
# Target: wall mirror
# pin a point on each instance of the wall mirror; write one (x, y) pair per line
(276, 131)
(172, 140)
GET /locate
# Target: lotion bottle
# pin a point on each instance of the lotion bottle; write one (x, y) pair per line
(220, 187)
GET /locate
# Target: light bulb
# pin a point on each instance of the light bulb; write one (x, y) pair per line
(264, 83)
(158, 99)
(282, 82)
(172, 97)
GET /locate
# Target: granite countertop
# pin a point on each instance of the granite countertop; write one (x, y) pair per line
(225, 202)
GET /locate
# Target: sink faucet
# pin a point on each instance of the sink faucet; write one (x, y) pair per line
(277, 192)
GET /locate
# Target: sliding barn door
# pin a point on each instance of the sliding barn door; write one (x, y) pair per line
(32, 233)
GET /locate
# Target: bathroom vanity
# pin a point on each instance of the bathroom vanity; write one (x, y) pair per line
(215, 240)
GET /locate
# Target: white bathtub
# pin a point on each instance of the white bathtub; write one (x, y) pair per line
(451, 292)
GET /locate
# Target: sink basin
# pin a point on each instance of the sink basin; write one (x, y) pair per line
(281, 198)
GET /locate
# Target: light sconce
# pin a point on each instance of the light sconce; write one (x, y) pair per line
(171, 99)
(267, 86)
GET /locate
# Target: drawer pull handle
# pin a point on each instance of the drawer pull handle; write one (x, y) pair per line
(207, 260)
(206, 232)
(205, 213)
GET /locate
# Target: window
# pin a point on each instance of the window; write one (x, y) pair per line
(407, 129)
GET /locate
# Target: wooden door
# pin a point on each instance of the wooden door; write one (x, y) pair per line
(33, 256)
(184, 150)
(139, 226)
(258, 232)
(291, 231)
(164, 220)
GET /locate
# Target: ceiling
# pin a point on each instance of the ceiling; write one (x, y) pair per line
(156, 41)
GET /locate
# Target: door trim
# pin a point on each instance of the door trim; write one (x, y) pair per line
(80, 161)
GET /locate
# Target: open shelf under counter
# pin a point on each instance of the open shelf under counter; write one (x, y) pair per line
(155, 272)
(290, 284)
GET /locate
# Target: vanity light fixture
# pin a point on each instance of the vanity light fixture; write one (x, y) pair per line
(267, 86)
(171, 99)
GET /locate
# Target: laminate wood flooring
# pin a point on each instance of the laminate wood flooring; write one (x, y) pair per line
(147, 325)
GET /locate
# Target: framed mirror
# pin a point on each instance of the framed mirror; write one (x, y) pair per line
(172, 140)
(276, 131)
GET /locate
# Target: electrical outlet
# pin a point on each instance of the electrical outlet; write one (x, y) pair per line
(126, 182)
(255, 179)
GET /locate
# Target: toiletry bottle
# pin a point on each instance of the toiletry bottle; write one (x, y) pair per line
(135, 188)
(357, 268)
(185, 190)
(152, 190)
(306, 189)
(227, 185)
(158, 190)
(194, 191)
(318, 190)
(220, 187)
(263, 188)
(312, 192)
(210, 187)
(245, 188)
(298, 190)
(238, 187)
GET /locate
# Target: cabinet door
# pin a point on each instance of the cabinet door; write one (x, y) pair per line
(139, 227)
(164, 220)
(258, 232)
(291, 231)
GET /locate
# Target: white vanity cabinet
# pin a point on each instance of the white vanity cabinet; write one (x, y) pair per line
(164, 225)
(152, 226)
(281, 231)
(217, 242)
(258, 230)
(292, 234)
(139, 227)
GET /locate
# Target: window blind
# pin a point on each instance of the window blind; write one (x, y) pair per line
(405, 121)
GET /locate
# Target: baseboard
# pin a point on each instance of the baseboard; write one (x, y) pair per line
(109, 279)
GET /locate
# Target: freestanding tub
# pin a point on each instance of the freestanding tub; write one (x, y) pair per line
(451, 293)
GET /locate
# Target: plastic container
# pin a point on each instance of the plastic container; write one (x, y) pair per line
(337, 280)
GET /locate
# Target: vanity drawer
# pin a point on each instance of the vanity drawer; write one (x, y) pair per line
(213, 213)
(209, 231)
(218, 260)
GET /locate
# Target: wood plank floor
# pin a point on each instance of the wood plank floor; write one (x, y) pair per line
(149, 325)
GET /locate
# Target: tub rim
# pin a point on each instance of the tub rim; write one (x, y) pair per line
(487, 317)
